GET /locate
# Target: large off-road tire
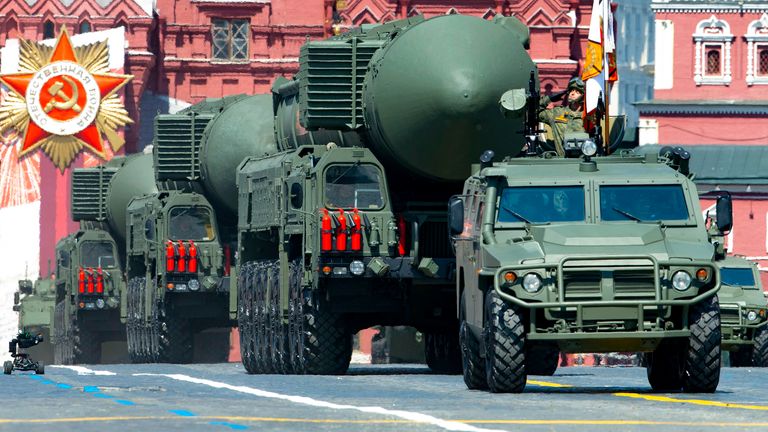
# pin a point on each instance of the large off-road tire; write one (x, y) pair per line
(504, 335)
(87, 342)
(296, 320)
(134, 325)
(278, 332)
(664, 366)
(702, 358)
(175, 337)
(7, 367)
(261, 309)
(760, 349)
(442, 352)
(541, 359)
(63, 347)
(741, 357)
(40, 368)
(472, 363)
(245, 316)
(325, 343)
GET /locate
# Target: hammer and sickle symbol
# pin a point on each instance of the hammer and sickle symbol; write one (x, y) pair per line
(66, 102)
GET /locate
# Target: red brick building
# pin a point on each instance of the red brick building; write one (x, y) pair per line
(182, 51)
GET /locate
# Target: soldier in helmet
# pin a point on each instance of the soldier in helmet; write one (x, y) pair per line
(566, 117)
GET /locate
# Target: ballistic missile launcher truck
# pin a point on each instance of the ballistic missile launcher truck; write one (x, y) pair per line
(743, 313)
(181, 239)
(34, 301)
(345, 226)
(591, 254)
(89, 272)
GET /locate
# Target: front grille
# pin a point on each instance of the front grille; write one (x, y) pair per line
(434, 241)
(729, 315)
(629, 282)
(582, 285)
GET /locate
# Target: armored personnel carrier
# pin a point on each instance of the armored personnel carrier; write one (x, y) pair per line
(89, 266)
(34, 301)
(743, 313)
(344, 227)
(590, 254)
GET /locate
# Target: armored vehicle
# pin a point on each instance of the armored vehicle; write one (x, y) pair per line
(34, 302)
(743, 313)
(181, 239)
(89, 269)
(603, 254)
(344, 227)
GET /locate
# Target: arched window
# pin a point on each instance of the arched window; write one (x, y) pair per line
(757, 51)
(713, 61)
(713, 39)
(49, 30)
(85, 27)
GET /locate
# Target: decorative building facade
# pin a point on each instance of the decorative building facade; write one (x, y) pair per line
(635, 29)
(711, 74)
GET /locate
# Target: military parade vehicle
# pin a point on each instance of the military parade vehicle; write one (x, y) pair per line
(181, 239)
(345, 226)
(743, 313)
(589, 254)
(34, 301)
(89, 271)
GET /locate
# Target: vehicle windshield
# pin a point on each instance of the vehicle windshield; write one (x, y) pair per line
(97, 254)
(190, 223)
(735, 276)
(643, 203)
(353, 186)
(537, 204)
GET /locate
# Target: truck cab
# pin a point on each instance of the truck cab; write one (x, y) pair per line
(743, 313)
(585, 254)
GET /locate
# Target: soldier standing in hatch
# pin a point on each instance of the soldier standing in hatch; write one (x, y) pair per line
(565, 118)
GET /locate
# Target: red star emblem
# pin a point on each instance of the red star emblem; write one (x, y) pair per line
(63, 98)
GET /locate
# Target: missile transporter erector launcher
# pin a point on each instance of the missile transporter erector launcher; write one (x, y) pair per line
(89, 268)
(579, 255)
(181, 240)
(345, 227)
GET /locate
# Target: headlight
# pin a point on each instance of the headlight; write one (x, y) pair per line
(194, 285)
(357, 267)
(100, 304)
(589, 148)
(681, 280)
(751, 315)
(532, 282)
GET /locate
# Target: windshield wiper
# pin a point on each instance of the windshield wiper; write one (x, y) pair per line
(627, 214)
(516, 214)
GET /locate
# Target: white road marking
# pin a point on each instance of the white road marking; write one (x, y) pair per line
(304, 400)
(81, 370)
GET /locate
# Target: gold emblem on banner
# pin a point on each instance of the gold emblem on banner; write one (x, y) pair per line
(63, 99)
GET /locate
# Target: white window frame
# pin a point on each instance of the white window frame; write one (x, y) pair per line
(704, 37)
(757, 38)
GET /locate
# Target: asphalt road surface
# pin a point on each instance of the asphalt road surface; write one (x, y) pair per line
(222, 397)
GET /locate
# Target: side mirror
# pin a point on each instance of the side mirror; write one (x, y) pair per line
(16, 298)
(455, 216)
(724, 208)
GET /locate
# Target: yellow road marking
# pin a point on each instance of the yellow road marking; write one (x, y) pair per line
(703, 402)
(371, 421)
(665, 399)
(548, 384)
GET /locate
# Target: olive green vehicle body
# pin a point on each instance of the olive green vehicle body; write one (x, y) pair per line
(597, 312)
(85, 319)
(736, 301)
(34, 301)
(414, 100)
(87, 313)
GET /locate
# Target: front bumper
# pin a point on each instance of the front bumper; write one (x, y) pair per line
(606, 309)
